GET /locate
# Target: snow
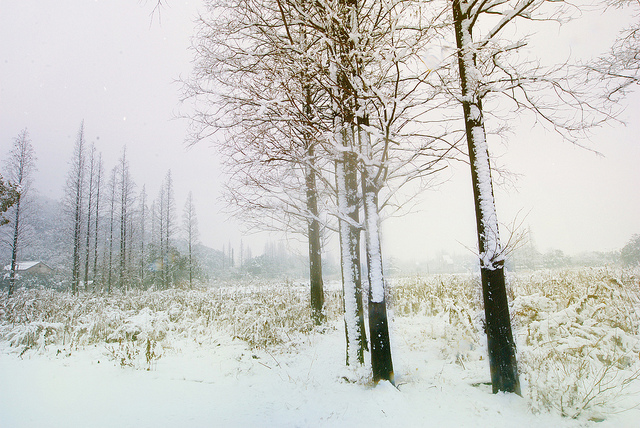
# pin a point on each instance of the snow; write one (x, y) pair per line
(202, 374)
(224, 384)
(490, 256)
(373, 247)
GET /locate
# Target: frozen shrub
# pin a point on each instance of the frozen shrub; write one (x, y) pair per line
(262, 314)
(578, 338)
(577, 331)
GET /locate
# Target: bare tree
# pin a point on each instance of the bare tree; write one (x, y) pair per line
(620, 67)
(112, 210)
(126, 201)
(19, 169)
(74, 193)
(98, 178)
(91, 203)
(165, 220)
(270, 113)
(298, 92)
(190, 230)
(489, 68)
(143, 232)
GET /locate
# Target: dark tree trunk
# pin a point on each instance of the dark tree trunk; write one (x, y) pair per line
(501, 346)
(315, 254)
(381, 363)
(313, 223)
(14, 248)
(502, 349)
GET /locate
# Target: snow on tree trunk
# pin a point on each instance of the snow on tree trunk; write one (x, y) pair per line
(501, 346)
(349, 231)
(381, 362)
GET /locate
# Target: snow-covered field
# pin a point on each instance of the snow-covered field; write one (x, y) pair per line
(239, 355)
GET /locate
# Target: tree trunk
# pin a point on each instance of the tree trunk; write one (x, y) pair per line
(111, 216)
(381, 363)
(501, 346)
(14, 248)
(75, 270)
(96, 225)
(315, 249)
(90, 201)
(347, 185)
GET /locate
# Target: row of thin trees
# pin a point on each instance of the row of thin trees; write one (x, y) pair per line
(118, 239)
(323, 111)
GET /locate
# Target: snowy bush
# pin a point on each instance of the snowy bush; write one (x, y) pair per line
(578, 339)
(577, 331)
(263, 315)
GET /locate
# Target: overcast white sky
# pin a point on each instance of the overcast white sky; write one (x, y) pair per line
(108, 63)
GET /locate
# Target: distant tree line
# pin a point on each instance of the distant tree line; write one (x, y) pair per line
(119, 240)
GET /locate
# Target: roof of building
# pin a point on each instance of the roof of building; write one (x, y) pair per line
(21, 266)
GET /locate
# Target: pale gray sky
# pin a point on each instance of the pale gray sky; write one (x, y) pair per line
(109, 63)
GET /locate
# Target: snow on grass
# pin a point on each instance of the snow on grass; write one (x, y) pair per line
(247, 355)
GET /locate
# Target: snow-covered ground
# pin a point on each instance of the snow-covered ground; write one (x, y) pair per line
(208, 378)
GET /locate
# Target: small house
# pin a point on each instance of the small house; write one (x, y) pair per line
(37, 267)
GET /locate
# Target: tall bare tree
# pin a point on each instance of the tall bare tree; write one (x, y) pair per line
(143, 213)
(270, 114)
(99, 179)
(491, 66)
(190, 230)
(19, 169)
(165, 221)
(126, 201)
(91, 204)
(74, 193)
(108, 264)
